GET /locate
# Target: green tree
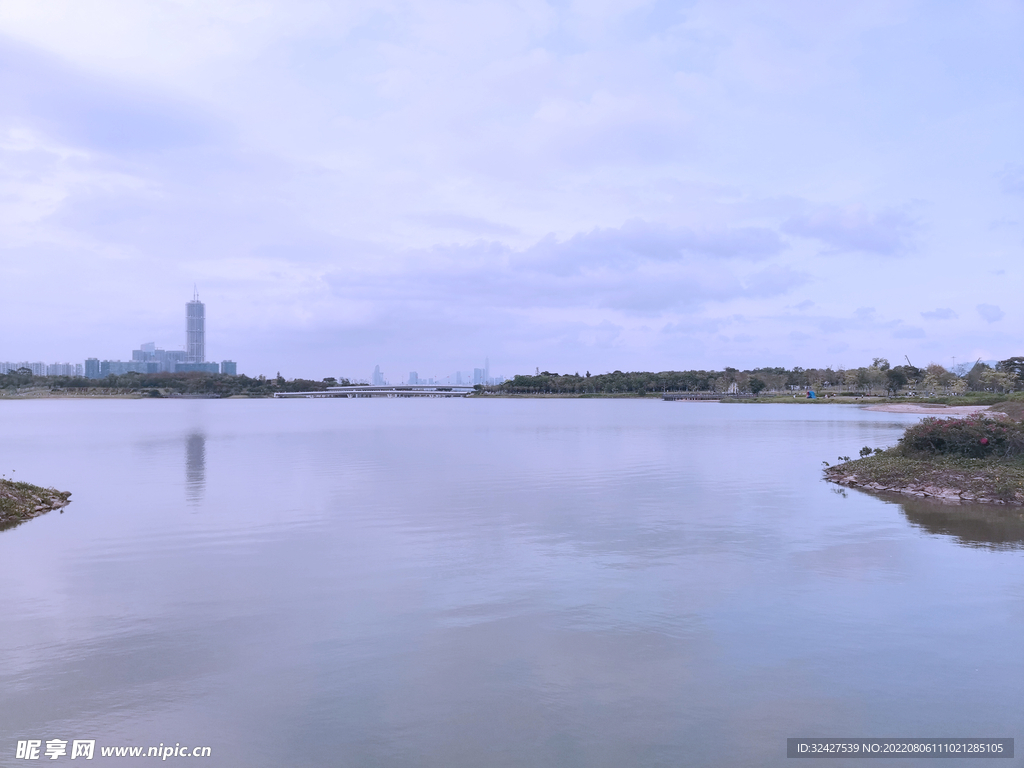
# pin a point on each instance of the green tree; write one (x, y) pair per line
(895, 380)
(976, 376)
(1014, 367)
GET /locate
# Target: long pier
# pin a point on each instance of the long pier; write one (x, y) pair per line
(703, 396)
(387, 390)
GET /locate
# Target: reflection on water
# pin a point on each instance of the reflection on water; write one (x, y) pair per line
(491, 583)
(972, 525)
(7, 523)
(195, 468)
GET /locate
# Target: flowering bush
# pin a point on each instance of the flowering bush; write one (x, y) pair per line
(974, 436)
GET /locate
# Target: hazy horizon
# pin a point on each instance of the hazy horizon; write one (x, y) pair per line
(565, 186)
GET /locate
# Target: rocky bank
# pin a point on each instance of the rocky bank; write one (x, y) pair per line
(22, 501)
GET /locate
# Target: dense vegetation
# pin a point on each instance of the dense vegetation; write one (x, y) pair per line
(975, 437)
(879, 378)
(164, 384)
(972, 459)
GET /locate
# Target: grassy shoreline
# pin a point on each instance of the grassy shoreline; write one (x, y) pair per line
(1007, 403)
(973, 459)
(946, 478)
(23, 501)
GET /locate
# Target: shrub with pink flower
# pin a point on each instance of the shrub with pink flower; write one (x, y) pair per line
(974, 437)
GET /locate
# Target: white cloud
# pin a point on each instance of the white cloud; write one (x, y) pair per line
(1011, 179)
(990, 313)
(887, 232)
(908, 332)
(637, 269)
(638, 241)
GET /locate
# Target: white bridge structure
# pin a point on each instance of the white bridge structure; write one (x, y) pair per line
(388, 390)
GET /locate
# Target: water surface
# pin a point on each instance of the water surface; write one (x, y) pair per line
(491, 583)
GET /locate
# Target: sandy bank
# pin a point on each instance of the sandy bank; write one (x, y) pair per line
(929, 409)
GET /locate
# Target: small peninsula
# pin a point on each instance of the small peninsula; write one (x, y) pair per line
(23, 501)
(975, 459)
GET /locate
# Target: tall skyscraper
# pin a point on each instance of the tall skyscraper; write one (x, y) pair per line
(378, 377)
(195, 330)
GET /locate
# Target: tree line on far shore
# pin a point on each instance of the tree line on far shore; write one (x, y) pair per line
(164, 384)
(878, 378)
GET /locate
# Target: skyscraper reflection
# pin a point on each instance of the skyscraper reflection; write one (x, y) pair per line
(195, 468)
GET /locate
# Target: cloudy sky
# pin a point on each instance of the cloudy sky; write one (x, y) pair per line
(593, 185)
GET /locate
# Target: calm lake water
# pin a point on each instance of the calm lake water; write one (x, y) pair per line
(503, 583)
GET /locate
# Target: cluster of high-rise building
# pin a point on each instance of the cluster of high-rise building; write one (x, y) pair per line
(147, 358)
(477, 376)
(44, 369)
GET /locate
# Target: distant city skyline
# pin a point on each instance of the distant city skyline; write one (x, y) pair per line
(461, 376)
(148, 358)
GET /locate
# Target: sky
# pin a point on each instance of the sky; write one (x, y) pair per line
(572, 186)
